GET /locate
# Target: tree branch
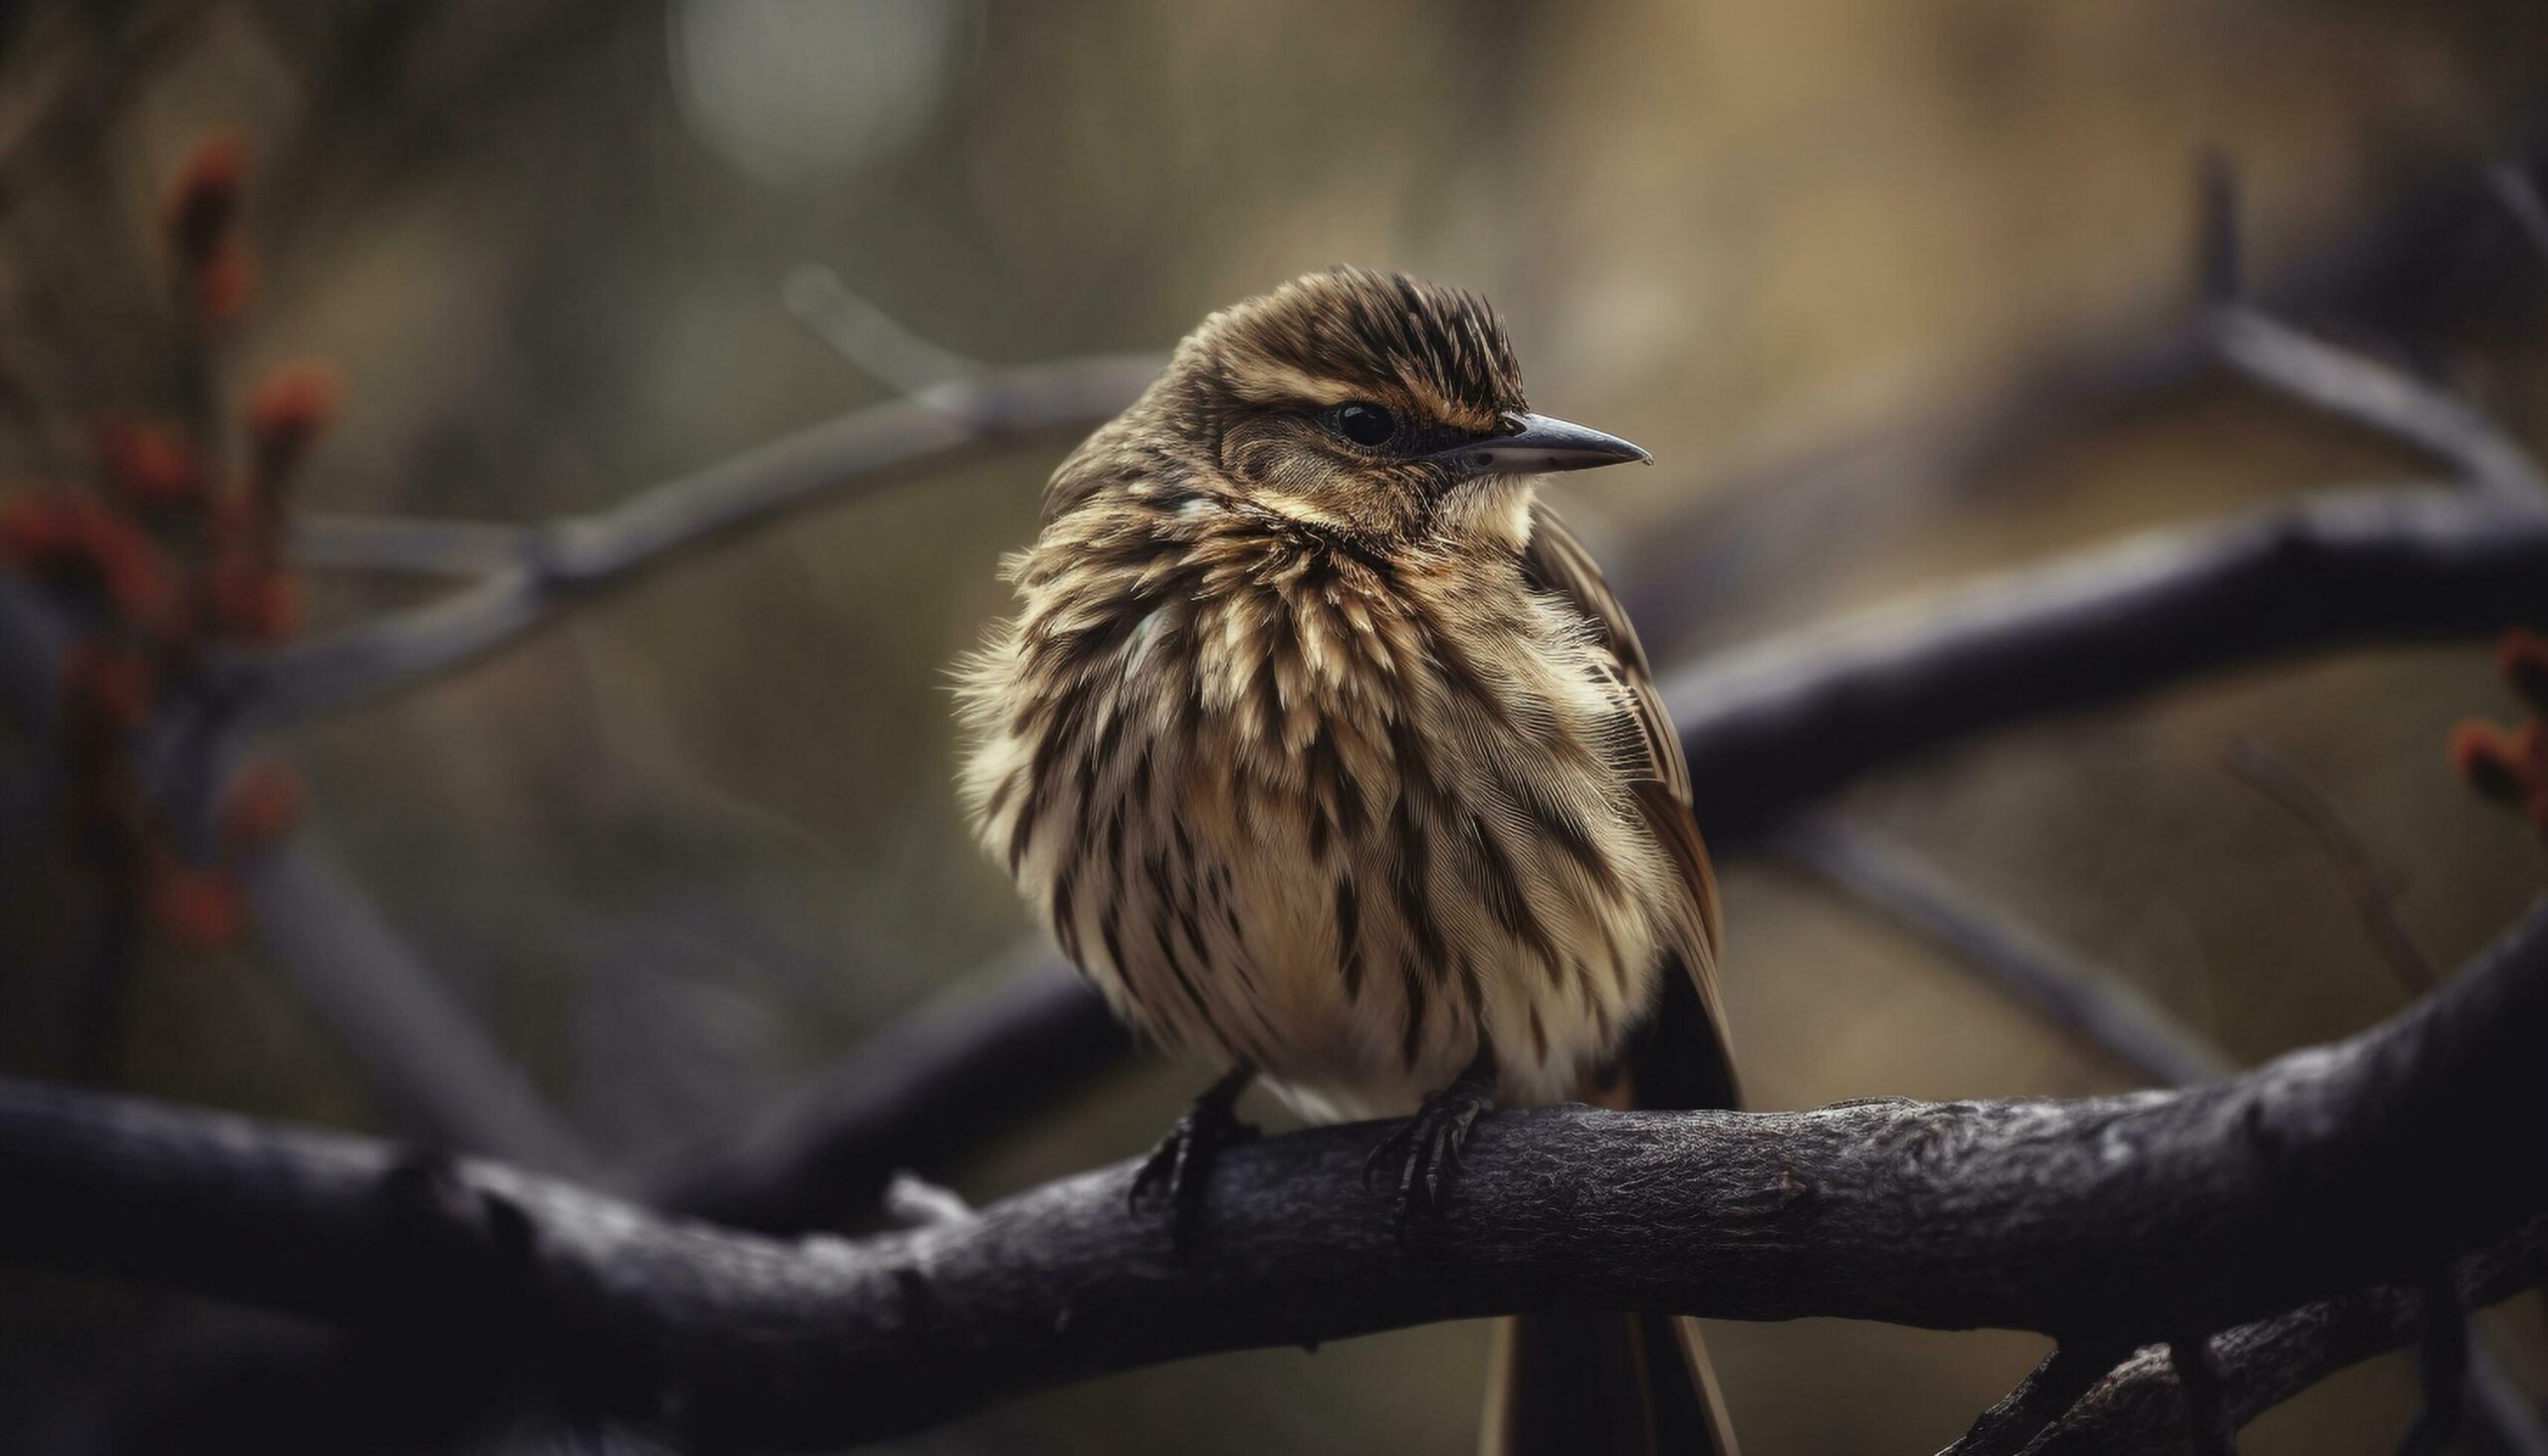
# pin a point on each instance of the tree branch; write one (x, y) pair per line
(566, 559)
(2268, 1361)
(2090, 1006)
(1771, 726)
(929, 1089)
(2374, 897)
(1897, 883)
(2027, 1214)
(407, 545)
(427, 1057)
(2352, 387)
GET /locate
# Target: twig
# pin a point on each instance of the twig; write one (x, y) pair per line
(2351, 387)
(1771, 726)
(929, 1089)
(870, 338)
(915, 1203)
(405, 546)
(2513, 186)
(1896, 882)
(428, 1058)
(2374, 897)
(566, 560)
(2344, 384)
(2027, 1214)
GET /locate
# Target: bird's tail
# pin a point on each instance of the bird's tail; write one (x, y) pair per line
(1599, 1384)
(1631, 1384)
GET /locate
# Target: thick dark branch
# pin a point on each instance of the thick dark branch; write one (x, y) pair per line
(568, 559)
(2029, 1214)
(1772, 727)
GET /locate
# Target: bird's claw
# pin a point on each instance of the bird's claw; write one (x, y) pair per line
(1425, 1150)
(1172, 1176)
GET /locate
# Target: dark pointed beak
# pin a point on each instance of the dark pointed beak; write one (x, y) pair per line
(1536, 443)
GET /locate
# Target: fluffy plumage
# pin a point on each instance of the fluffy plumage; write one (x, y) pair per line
(1332, 762)
(1328, 756)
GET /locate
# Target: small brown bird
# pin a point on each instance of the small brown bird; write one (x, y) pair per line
(1330, 757)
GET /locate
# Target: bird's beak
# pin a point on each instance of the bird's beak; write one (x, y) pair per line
(1536, 443)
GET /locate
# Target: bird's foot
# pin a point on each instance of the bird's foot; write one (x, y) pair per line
(1174, 1174)
(1426, 1149)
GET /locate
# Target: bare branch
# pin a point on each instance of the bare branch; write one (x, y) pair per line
(2027, 1214)
(2357, 389)
(2374, 897)
(2270, 1361)
(405, 544)
(873, 340)
(566, 561)
(1896, 882)
(1773, 726)
(915, 1203)
(2513, 186)
(929, 1089)
(426, 1056)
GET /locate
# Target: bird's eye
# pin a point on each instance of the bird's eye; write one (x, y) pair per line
(1364, 424)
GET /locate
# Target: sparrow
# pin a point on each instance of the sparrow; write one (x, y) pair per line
(1330, 757)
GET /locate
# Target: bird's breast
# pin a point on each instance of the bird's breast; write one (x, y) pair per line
(1334, 820)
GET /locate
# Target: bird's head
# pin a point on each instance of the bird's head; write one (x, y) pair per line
(1370, 405)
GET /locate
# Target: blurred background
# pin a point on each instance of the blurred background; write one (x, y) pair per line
(1896, 294)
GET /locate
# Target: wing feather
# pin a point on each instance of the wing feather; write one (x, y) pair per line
(1556, 563)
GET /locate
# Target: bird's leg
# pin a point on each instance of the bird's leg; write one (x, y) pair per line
(1175, 1168)
(1426, 1148)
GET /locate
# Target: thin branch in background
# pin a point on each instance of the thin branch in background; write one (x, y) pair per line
(922, 1094)
(2024, 1215)
(1897, 883)
(871, 340)
(2341, 383)
(427, 1055)
(2220, 267)
(405, 546)
(2373, 894)
(2518, 191)
(1770, 726)
(2351, 387)
(565, 562)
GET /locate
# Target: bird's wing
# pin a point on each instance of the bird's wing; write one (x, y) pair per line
(1556, 563)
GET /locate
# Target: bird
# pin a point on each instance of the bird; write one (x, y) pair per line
(1328, 755)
